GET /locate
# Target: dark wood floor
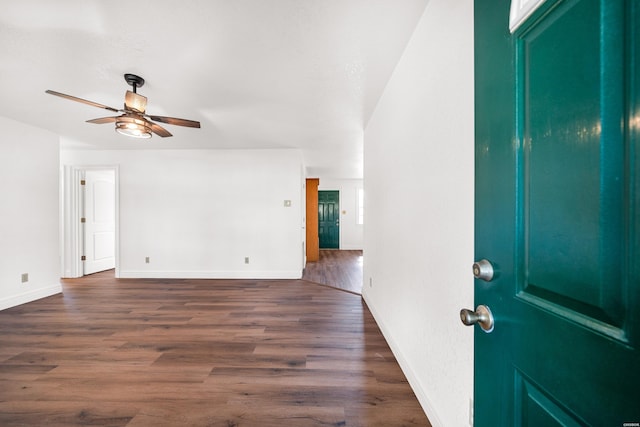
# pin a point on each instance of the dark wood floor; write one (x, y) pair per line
(337, 268)
(199, 353)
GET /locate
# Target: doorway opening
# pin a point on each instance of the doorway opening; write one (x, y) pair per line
(90, 222)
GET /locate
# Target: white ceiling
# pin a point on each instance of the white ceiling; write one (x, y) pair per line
(256, 73)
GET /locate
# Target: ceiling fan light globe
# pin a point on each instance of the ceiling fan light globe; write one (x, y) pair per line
(134, 133)
(132, 127)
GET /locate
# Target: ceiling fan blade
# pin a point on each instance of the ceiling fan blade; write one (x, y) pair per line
(103, 120)
(84, 101)
(176, 121)
(135, 102)
(158, 130)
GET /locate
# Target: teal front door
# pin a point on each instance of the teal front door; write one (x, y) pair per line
(558, 214)
(329, 219)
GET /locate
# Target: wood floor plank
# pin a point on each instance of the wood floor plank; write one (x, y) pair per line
(238, 415)
(144, 352)
(66, 413)
(341, 269)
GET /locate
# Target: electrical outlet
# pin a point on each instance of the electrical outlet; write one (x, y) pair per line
(246, 260)
(25, 277)
(146, 260)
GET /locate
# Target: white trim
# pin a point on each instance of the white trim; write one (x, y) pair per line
(29, 296)
(359, 206)
(520, 11)
(237, 274)
(70, 222)
(72, 205)
(412, 378)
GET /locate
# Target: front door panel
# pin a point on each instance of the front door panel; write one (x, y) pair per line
(329, 219)
(557, 213)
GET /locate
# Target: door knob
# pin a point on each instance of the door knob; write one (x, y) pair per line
(483, 270)
(482, 316)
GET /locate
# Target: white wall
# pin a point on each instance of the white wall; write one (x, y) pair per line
(29, 212)
(199, 213)
(351, 233)
(419, 186)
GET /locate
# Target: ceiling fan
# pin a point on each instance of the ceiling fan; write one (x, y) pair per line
(133, 121)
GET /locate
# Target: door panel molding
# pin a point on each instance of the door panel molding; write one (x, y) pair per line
(534, 407)
(571, 250)
(587, 321)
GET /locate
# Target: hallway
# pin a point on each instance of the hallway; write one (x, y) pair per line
(341, 269)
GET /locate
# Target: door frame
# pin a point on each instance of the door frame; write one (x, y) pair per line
(312, 248)
(71, 210)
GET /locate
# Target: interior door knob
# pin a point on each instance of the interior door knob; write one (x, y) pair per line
(483, 270)
(482, 316)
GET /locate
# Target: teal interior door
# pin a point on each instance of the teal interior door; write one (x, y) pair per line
(329, 219)
(558, 214)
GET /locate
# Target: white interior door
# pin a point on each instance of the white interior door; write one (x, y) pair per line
(99, 214)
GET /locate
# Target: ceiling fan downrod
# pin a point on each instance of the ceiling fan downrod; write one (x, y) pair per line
(134, 81)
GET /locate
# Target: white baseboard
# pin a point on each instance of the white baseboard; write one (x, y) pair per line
(284, 274)
(29, 296)
(414, 382)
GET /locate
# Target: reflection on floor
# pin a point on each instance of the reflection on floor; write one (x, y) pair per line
(337, 268)
(195, 352)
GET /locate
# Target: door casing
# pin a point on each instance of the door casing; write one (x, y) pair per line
(71, 208)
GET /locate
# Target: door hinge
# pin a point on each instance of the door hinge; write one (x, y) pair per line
(83, 220)
(83, 258)
(83, 182)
